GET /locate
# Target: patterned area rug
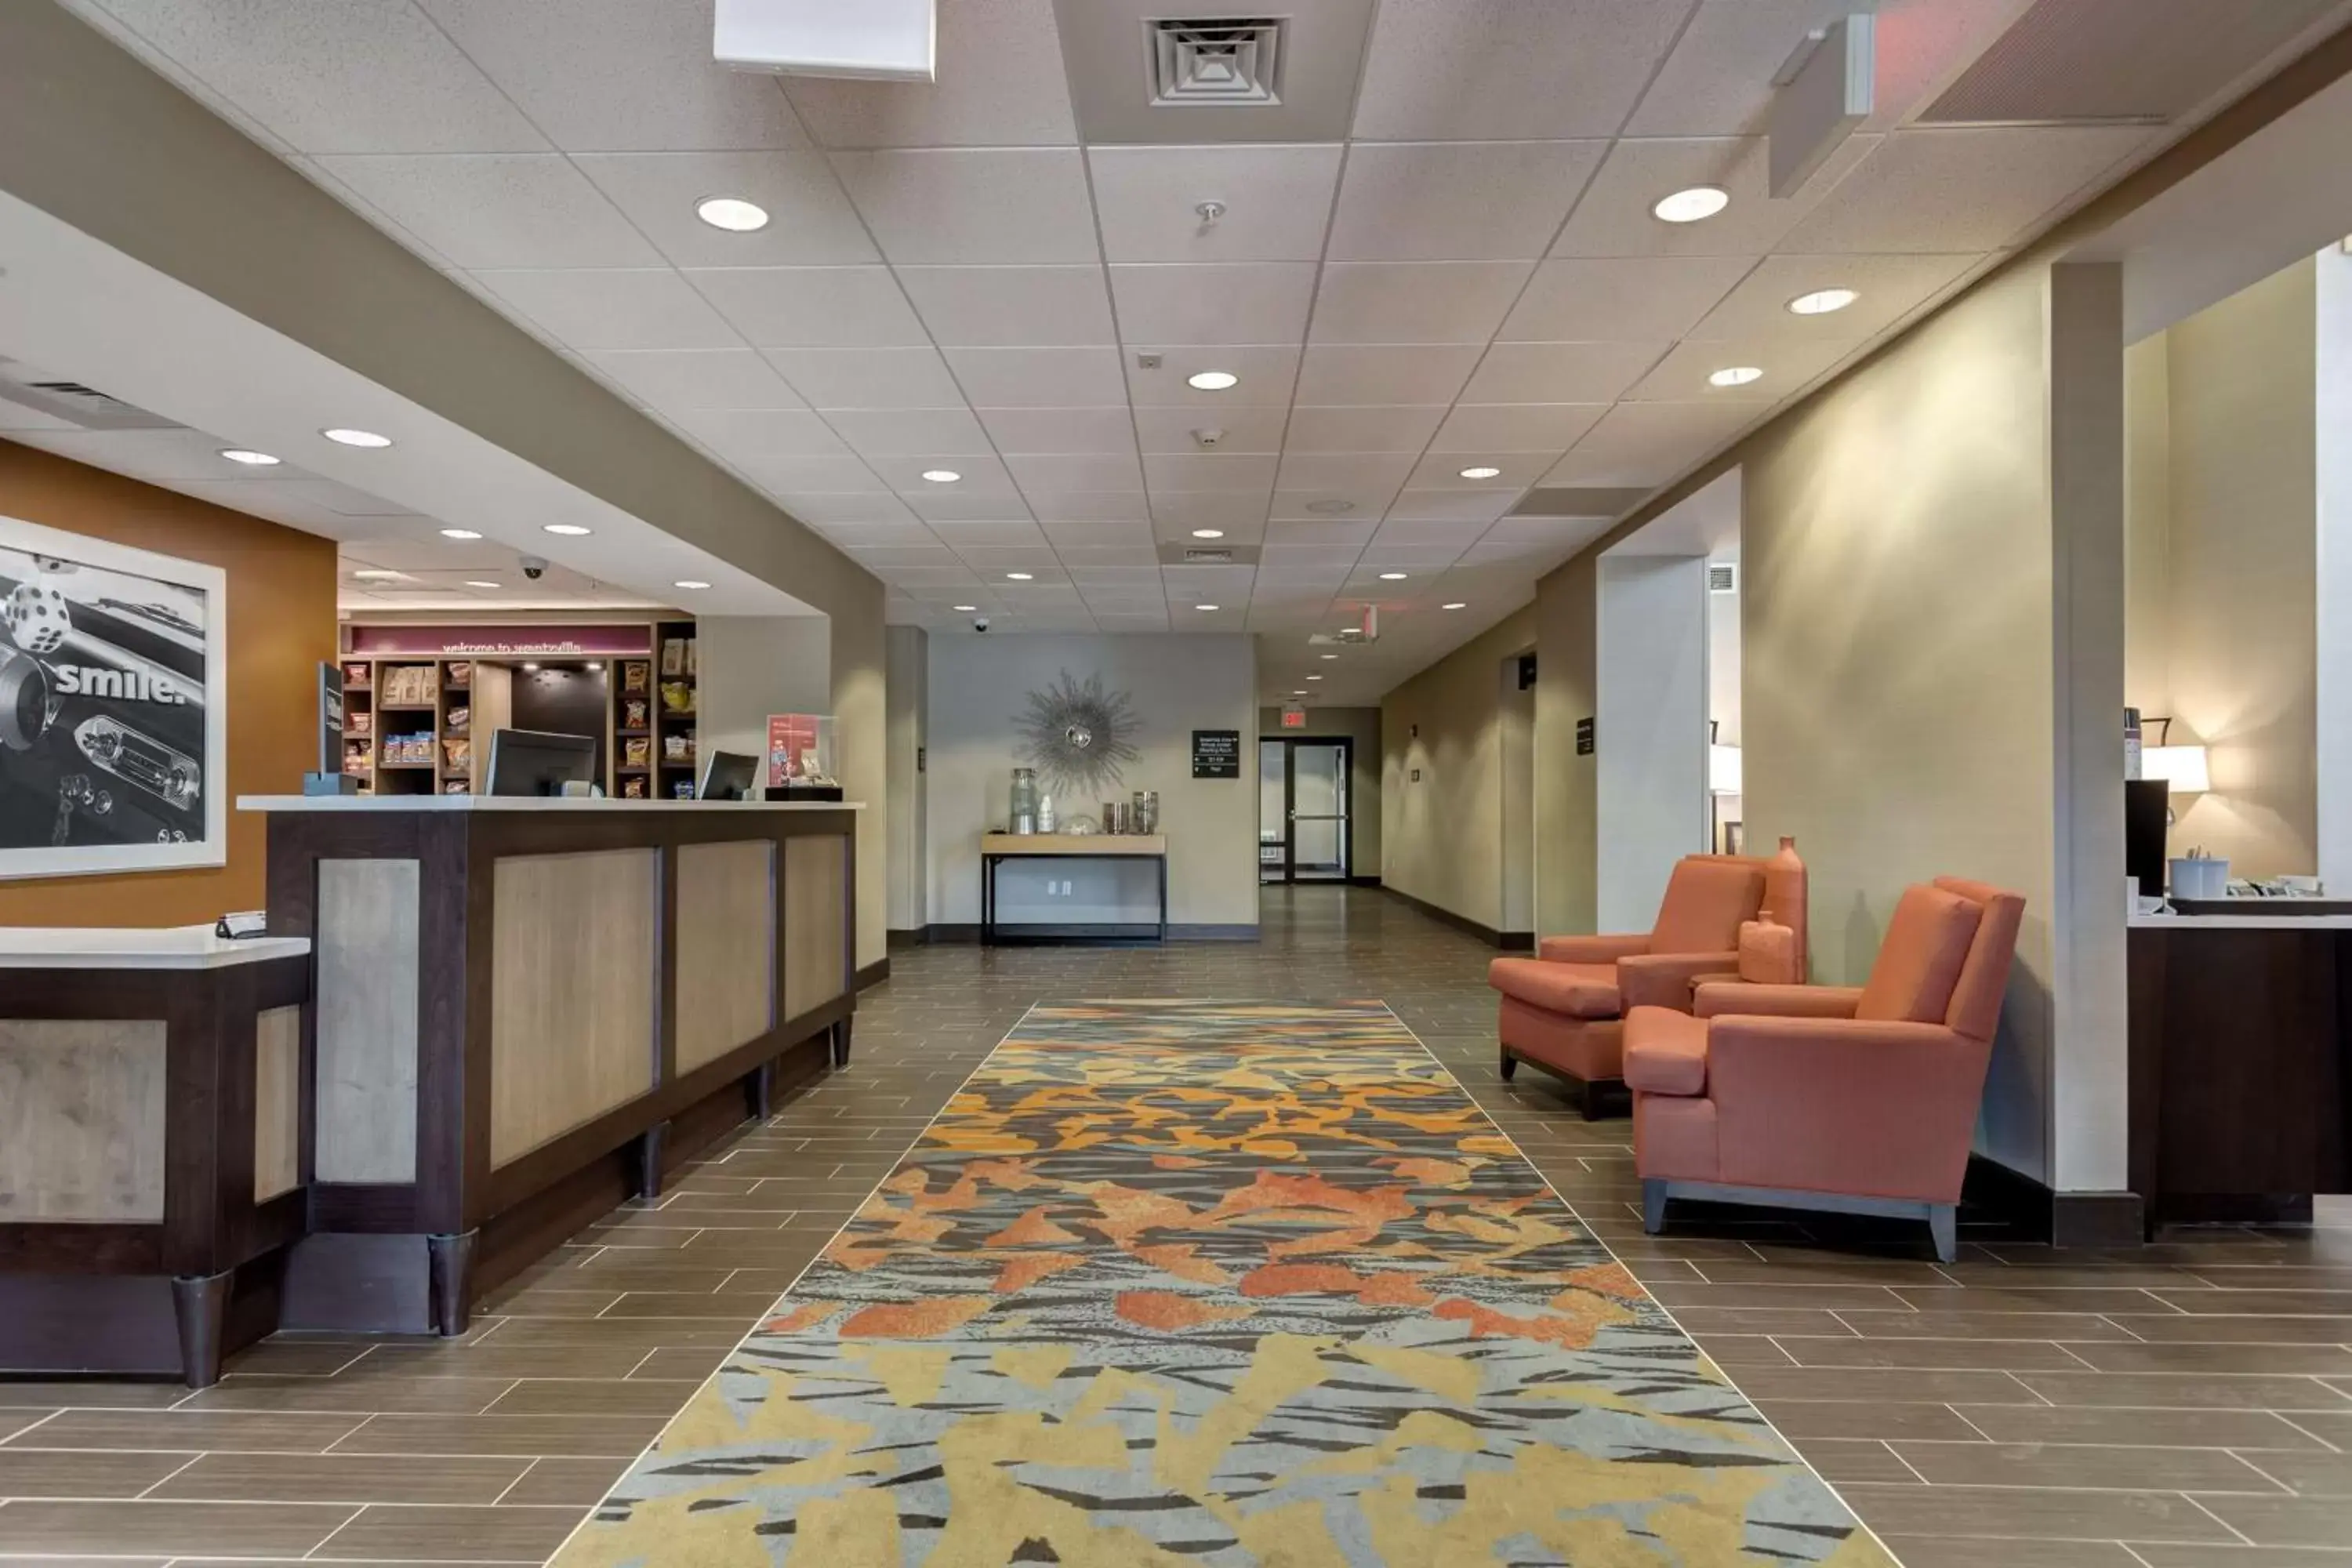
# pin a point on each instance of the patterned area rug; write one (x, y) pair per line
(1201, 1285)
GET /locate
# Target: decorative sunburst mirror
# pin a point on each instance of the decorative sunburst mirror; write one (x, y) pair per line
(1079, 737)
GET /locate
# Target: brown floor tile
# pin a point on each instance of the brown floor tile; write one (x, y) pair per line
(692, 1365)
(2143, 1428)
(2264, 1303)
(14, 1421)
(2308, 1475)
(557, 1396)
(566, 1482)
(343, 1477)
(1804, 1420)
(89, 1396)
(1760, 1320)
(2181, 1391)
(1944, 1551)
(2286, 1520)
(298, 1356)
(550, 1302)
(2029, 1514)
(1999, 1355)
(743, 1307)
(1975, 1325)
(2027, 1297)
(2197, 1328)
(625, 1435)
(10, 1561)
(645, 1333)
(1901, 1385)
(2083, 1465)
(199, 1529)
(2310, 1359)
(1676, 1294)
(67, 1473)
(452, 1534)
(1789, 1265)
(495, 1358)
(2235, 1557)
(2330, 1426)
(1742, 1350)
(1842, 1459)
(194, 1431)
(448, 1395)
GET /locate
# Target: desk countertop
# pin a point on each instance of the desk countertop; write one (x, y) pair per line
(1074, 844)
(382, 803)
(169, 947)
(2248, 921)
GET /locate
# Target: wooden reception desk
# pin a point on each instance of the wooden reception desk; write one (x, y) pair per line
(526, 1010)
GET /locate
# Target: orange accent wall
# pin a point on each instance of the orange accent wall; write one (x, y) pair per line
(281, 622)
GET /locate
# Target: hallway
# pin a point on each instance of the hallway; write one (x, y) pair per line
(2193, 1399)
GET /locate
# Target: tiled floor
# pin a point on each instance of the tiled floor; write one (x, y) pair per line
(2188, 1405)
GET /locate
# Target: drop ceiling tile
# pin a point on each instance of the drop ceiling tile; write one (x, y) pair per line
(1719, 80)
(1788, 366)
(360, 79)
(647, 307)
(810, 223)
(795, 478)
(760, 433)
(1615, 219)
(1290, 542)
(1561, 372)
(1370, 374)
(1405, 428)
(887, 558)
(1642, 444)
(1415, 301)
(1267, 373)
(1240, 428)
(880, 535)
(847, 509)
(979, 474)
(1622, 299)
(497, 209)
(1442, 470)
(1006, 533)
(869, 378)
(1063, 474)
(1458, 201)
(811, 307)
(1890, 287)
(974, 206)
(614, 75)
(1001, 84)
(1252, 472)
(1362, 500)
(1114, 577)
(947, 508)
(1123, 509)
(1570, 532)
(1277, 200)
(1101, 536)
(1213, 302)
(1510, 70)
(1040, 378)
(1953, 190)
(674, 380)
(1404, 541)
(1485, 428)
(1143, 556)
(1452, 505)
(992, 306)
(910, 432)
(1061, 430)
(1174, 513)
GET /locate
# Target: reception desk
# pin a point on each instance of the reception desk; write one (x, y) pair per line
(2240, 1076)
(527, 1010)
(151, 1129)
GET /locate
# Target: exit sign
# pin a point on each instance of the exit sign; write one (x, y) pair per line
(1294, 718)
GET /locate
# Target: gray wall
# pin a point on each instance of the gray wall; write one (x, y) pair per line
(910, 652)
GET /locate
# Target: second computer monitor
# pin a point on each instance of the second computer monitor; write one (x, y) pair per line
(728, 775)
(539, 762)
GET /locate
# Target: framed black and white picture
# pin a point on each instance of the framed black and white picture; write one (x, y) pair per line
(113, 707)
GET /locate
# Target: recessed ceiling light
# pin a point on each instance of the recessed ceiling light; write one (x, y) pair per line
(356, 438)
(250, 459)
(963, 609)
(1330, 656)
(1457, 605)
(1314, 678)
(377, 574)
(732, 214)
(1480, 472)
(1690, 205)
(1391, 576)
(1205, 606)
(690, 583)
(1822, 301)
(1020, 576)
(479, 582)
(942, 476)
(1208, 533)
(1299, 691)
(569, 529)
(1211, 380)
(1330, 508)
(1736, 375)
(459, 533)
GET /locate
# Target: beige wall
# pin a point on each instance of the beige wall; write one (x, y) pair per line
(1362, 726)
(2223, 636)
(910, 651)
(1567, 688)
(1442, 833)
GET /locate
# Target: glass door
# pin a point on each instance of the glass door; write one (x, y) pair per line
(1303, 810)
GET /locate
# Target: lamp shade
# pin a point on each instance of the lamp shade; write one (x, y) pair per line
(1722, 769)
(2182, 768)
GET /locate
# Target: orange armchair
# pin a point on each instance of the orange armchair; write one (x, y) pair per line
(1564, 1009)
(1857, 1099)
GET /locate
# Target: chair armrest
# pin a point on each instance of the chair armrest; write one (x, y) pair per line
(1666, 1052)
(1591, 949)
(1664, 979)
(1880, 1108)
(1719, 1001)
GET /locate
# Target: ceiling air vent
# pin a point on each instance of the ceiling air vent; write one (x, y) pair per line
(1231, 60)
(72, 402)
(1208, 555)
(1722, 577)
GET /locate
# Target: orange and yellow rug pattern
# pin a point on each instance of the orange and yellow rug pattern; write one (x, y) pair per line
(1180, 1284)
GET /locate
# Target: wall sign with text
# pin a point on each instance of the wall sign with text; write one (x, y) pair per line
(1216, 753)
(113, 701)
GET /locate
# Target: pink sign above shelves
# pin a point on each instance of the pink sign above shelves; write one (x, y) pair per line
(499, 642)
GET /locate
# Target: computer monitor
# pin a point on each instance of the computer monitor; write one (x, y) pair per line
(539, 762)
(728, 775)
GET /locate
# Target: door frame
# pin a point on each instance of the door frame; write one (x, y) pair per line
(1289, 862)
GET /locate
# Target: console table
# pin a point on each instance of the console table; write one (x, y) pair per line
(995, 848)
